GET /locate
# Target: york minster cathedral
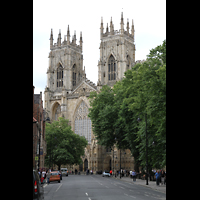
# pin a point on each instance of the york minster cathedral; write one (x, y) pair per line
(68, 89)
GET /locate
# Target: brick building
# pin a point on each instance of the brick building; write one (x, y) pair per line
(38, 130)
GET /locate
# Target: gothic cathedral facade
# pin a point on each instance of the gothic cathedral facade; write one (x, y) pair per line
(68, 89)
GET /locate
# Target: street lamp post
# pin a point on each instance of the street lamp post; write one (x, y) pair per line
(120, 164)
(146, 148)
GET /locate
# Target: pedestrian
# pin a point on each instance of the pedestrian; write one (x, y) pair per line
(111, 172)
(157, 178)
(162, 177)
(134, 175)
(48, 176)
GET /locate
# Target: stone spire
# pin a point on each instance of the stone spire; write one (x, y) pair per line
(59, 38)
(132, 29)
(122, 24)
(68, 35)
(81, 40)
(111, 27)
(51, 39)
(101, 28)
(127, 26)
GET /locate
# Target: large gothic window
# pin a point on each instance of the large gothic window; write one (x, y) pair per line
(111, 68)
(83, 125)
(60, 76)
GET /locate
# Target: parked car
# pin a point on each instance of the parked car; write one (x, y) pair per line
(64, 171)
(54, 176)
(106, 173)
(38, 190)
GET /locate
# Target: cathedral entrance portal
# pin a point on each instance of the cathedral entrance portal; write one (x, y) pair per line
(107, 163)
(85, 164)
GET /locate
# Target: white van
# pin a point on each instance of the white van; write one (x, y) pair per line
(64, 171)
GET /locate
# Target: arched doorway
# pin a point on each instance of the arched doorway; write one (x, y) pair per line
(56, 111)
(81, 167)
(85, 164)
(107, 164)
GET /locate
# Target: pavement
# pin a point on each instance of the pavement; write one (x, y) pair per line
(151, 184)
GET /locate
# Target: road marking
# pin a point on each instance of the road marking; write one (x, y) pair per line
(132, 196)
(107, 186)
(59, 187)
(86, 194)
(44, 185)
(121, 187)
(89, 198)
(146, 195)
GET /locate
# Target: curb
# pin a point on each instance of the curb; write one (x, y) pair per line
(142, 185)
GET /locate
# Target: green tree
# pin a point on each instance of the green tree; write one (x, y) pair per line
(103, 115)
(114, 112)
(147, 95)
(63, 145)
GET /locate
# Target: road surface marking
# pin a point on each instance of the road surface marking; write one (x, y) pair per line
(59, 187)
(129, 195)
(44, 185)
(121, 187)
(89, 198)
(146, 195)
(86, 194)
(107, 186)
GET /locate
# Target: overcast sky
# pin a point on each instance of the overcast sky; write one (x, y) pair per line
(149, 18)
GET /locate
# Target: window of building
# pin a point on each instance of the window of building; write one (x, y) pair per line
(111, 68)
(128, 63)
(74, 75)
(83, 124)
(60, 76)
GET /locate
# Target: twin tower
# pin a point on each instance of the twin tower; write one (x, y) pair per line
(65, 71)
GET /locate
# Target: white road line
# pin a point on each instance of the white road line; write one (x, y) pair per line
(146, 195)
(86, 194)
(89, 198)
(121, 187)
(132, 196)
(44, 185)
(59, 187)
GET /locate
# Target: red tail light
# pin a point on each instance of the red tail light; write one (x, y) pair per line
(35, 186)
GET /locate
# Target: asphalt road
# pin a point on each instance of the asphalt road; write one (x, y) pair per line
(96, 187)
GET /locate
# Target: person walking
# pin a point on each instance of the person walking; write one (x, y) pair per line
(48, 176)
(162, 177)
(157, 178)
(111, 172)
(134, 175)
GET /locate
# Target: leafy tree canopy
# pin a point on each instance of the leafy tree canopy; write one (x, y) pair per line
(63, 145)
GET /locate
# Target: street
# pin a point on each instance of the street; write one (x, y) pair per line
(96, 187)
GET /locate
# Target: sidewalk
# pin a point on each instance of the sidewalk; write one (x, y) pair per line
(152, 184)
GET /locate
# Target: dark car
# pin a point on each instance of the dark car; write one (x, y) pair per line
(38, 190)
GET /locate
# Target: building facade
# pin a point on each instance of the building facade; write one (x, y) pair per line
(39, 143)
(68, 89)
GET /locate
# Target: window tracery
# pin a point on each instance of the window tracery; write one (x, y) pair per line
(83, 125)
(111, 68)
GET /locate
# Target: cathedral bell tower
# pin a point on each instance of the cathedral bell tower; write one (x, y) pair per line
(65, 70)
(117, 53)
